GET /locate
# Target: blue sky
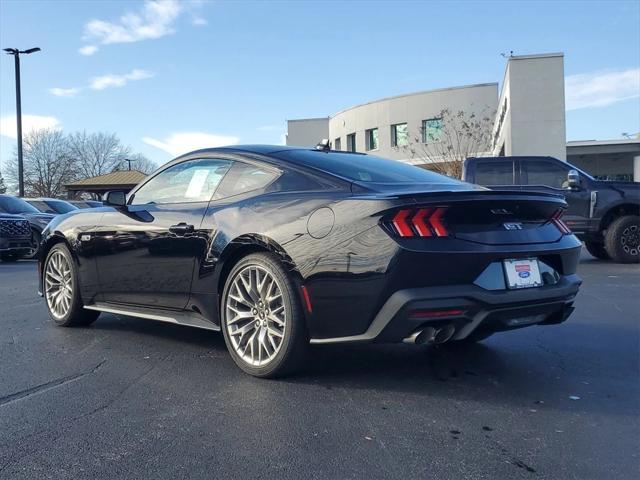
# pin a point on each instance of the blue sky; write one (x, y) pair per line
(171, 74)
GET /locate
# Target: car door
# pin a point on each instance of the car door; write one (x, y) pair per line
(542, 175)
(148, 248)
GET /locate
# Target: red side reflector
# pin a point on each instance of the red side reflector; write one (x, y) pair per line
(400, 222)
(307, 299)
(435, 313)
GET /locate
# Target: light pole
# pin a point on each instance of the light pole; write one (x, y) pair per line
(16, 56)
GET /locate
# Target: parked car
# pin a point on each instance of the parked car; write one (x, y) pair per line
(15, 237)
(37, 220)
(604, 214)
(280, 247)
(51, 205)
(86, 203)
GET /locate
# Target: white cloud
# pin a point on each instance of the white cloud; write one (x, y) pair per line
(154, 20)
(64, 92)
(111, 80)
(601, 89)
(29, 123)
(184, 142)
(88, 50)
(199, 21)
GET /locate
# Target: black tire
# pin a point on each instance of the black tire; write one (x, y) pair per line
(293, 349)
(622, 240)
(35, 240)
(76, 315)
(597, 250)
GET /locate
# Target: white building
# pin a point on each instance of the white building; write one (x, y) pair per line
(529, 113)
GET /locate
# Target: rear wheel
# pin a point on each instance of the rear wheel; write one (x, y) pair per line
(262, 320)
(597, 250)
(622, 240)
(62, 290)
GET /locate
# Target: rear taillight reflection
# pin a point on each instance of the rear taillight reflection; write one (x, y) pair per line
(422, 222)
(557, 221)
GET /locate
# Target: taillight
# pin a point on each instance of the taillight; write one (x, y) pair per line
(557, 221)
(421, 222)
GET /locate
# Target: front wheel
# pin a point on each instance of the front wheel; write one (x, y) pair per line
(597, 250)
(262, 320)
(62, 289)
(36, 237)
(622, 240)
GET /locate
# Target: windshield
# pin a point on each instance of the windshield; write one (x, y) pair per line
(41, 206)
(15, 205)
(60, 206)
(365, 168)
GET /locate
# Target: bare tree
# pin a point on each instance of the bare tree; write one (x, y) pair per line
(444, 143)
(96, 153)
(138, 162)
(47, 164)
(3, 187)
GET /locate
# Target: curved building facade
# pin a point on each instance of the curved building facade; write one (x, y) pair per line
(384, 126)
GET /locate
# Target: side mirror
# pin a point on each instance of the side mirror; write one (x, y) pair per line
(573, 180)
(115, 199)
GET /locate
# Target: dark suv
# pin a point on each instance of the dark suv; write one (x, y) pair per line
(15, 237)
(604, 214)
(37, 220)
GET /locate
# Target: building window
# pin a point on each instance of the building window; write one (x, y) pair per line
(351, 142)
(337, 144)
(431, 130)
(399, 135)
(371, 137)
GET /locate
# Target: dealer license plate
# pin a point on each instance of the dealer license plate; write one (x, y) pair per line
(522, 273)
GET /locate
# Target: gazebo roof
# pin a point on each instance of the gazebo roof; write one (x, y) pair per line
(118, 179)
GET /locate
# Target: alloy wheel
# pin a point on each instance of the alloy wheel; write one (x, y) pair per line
(630, 240)
(255, 315)
(58, 284)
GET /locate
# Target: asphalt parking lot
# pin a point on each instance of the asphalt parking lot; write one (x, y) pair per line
(129, 398)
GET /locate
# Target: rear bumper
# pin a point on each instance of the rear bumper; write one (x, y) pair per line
(479, 309)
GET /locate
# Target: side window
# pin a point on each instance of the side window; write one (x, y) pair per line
(186, 182)
(494, 173)
(544, 173)
(244, 177)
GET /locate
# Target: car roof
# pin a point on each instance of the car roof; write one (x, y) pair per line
(44, 199)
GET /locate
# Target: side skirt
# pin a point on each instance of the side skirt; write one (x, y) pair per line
(188, 319)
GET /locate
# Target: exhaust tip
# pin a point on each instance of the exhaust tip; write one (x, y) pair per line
(420, 337)
(444, 334)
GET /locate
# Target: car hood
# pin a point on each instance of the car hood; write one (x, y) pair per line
(11, 216)
(39, 218)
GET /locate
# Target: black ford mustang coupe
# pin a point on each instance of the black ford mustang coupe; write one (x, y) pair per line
(280, 247)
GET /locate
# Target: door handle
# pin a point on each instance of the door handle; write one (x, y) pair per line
(181, 228)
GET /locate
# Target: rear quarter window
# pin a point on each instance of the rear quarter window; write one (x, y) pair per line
(364, 168)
